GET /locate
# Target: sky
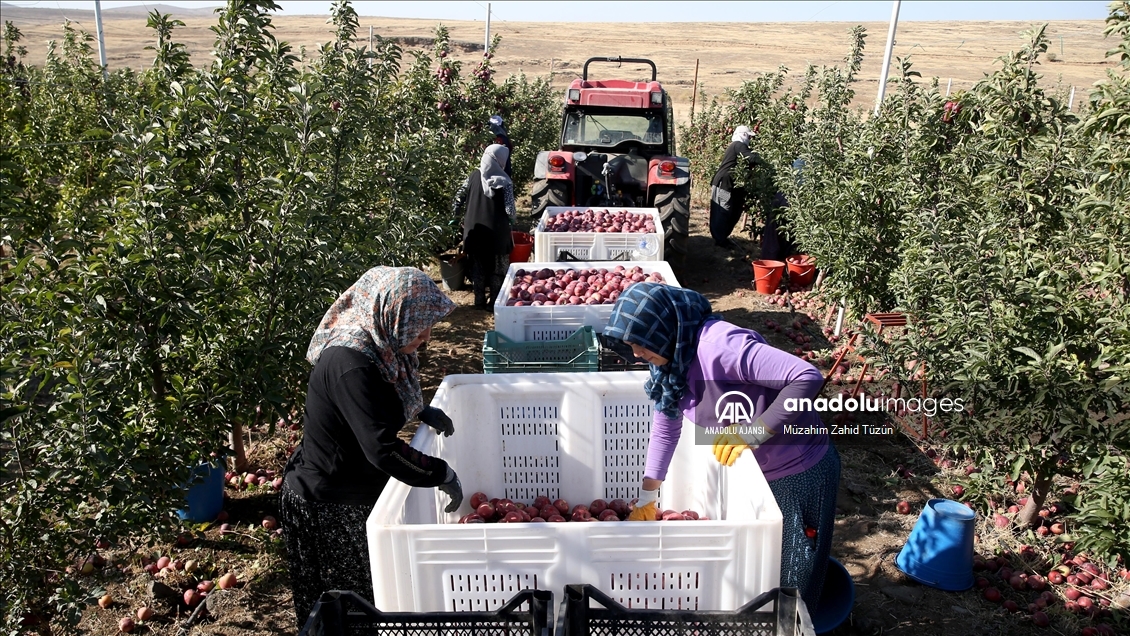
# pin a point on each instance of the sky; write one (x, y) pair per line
(683, 11)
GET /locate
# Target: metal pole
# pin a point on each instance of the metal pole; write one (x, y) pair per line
(949, 85)
(486, 45)
(694, 88)
(101, 39)
(887, 55)
(1071, 98)
(370, 44)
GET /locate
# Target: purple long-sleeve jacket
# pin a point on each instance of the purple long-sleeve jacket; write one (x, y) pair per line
(769, 376)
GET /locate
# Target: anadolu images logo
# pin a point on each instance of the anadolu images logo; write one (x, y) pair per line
(733, 411)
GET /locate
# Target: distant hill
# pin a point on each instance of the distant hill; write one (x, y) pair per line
(41, 15)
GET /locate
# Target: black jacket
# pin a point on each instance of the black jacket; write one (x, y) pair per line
(736, 149)
(349, 446)
(486, 225)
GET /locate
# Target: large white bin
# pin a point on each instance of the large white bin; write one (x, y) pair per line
(558, 322)
(579, 436)
(595, 246)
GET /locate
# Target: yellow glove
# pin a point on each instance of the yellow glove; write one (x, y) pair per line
(735, 440)
(728, 447)
(645, 508)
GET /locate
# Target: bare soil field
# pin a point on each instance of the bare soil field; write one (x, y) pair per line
(726, 53)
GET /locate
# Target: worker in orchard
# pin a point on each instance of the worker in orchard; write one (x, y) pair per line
(363, 388)
(692, 352)
(727, 198)
(486, 200)
(502, 138)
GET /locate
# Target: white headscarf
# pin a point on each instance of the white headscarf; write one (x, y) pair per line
(741, 133)
(492, 168)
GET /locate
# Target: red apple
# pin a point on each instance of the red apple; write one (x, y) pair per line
(992, 594)
(903, 508)
(222, 516)
(1055, 578)
(191, 598)
(227, 581)
(1011, 606)
(597, 506)
(205, 586)
(485, 510)
(556, 519)
(562, 506)
(106, 601)
(144, 613)
(958, 491)
(270, 523)
(126, 625)
(1040, 619)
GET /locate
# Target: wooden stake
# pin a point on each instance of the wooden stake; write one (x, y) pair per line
(694, 88)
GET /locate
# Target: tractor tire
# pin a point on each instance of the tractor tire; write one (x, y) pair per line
(674, 204)
(546, 193)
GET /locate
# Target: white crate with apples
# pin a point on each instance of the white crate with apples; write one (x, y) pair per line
(557, 322)
(577, 437)
(616, 240)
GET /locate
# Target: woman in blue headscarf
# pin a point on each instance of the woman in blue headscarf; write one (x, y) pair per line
(691, 349)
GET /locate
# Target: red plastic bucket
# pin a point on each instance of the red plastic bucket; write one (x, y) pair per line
(523, 247)
(767, 275)
(802, 269)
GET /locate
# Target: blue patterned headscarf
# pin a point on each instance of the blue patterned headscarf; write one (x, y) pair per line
(665, 320)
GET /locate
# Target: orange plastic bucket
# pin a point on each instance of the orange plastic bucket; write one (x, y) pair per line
(523, 247)
(767, 275)
(802, 269)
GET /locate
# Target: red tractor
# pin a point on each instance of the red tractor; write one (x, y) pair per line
(618, 149)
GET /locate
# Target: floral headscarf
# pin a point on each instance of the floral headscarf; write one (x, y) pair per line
(492, 168)
(385, 310)
(664, 320)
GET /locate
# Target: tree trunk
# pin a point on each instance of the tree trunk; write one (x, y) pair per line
(235, 441)
(1030, 514)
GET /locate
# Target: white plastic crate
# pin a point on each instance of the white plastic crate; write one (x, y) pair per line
(595, 246)
(558, 322)
(579, 436)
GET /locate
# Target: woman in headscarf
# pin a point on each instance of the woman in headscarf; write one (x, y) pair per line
(726, 199)
(488, 198)
(695, 357)
(363, 388)
(502, 138)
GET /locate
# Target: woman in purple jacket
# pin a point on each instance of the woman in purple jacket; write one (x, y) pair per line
(690, 349)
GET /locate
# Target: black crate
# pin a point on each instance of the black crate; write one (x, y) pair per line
(337, 613)
(617, 356)
(787, 617)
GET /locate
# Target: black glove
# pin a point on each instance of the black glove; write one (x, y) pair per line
(438, 420)
(452, 488)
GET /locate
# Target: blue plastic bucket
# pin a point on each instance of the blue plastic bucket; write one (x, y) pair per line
(939, 551)
(836, 599)
(205, 499)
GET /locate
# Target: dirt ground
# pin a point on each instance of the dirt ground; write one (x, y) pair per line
(869, 532)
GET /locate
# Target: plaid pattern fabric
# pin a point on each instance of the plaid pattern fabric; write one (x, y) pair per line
(665, 320)
(387, 308)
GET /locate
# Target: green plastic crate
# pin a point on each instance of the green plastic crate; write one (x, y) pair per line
(578, 352)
